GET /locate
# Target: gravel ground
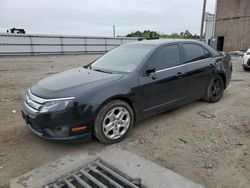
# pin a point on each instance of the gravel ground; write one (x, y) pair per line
(207, 143)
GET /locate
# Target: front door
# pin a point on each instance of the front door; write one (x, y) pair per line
(165, 87)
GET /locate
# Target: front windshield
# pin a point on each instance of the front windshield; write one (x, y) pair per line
(122, 59)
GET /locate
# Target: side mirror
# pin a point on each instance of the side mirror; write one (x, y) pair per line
(150, 71)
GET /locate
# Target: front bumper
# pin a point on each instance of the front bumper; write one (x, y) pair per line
(48, 125)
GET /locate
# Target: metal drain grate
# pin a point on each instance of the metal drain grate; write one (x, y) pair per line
(95, 175)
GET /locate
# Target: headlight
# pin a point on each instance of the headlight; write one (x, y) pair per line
(54, 106)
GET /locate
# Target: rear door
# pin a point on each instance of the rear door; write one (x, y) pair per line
(165, 87)
(200, 64)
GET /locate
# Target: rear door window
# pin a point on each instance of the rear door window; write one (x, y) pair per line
(207, 53)
(195, 52)
(166, 57)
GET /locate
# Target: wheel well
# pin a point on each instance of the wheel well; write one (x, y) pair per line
(124, 99)
(224, 79)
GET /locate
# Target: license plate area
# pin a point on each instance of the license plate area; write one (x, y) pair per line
(25, 117)
(34, 128)
(27, 121)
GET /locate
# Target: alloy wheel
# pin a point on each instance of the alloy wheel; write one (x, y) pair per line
(116, 123)
(216, 88)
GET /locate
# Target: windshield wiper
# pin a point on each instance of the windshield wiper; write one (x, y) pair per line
(99, 70)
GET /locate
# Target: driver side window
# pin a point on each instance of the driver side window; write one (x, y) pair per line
(166, 57)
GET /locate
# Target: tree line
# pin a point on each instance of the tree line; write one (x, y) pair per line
(147, 34)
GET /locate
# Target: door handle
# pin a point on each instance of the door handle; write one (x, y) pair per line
(211, 65)
(179, 74)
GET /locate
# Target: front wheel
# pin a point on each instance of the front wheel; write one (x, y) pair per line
(215, 90)
(113, 122)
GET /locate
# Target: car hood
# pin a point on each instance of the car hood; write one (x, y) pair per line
(72, 83)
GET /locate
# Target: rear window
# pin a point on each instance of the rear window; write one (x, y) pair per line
(195, 52)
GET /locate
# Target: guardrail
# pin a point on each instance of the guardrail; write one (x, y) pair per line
(26, 44)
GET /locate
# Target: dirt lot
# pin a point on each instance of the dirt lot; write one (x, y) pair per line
(207, 143)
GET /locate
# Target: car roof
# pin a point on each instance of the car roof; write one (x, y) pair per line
(160, 42)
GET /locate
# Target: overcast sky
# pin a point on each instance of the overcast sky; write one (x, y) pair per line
(96, 17)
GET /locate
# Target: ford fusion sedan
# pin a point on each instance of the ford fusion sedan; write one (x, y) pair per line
(104, 99)
(246, 60)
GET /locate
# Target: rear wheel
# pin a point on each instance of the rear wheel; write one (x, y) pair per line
(113, 122)
(215, 90)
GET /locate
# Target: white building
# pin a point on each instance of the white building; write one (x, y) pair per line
(209, 26)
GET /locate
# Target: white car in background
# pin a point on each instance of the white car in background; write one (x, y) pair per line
(246, 60)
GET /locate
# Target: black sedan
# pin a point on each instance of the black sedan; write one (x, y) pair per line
(105, 98)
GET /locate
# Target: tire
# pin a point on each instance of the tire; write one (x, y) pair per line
(246, 66)
(113, 122)
(246, 69)
(215, 90)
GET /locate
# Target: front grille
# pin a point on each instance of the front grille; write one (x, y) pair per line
(97, 174)
(31, 101)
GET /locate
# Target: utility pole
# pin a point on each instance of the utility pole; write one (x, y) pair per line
(203, 18)
(215, 17)
(114, 30)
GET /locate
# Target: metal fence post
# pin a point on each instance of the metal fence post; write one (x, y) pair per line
(85, 45)
(61, 43)
(106, 45)
(31, 45)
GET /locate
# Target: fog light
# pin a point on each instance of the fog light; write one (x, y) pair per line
(77, 129)
(62, 131)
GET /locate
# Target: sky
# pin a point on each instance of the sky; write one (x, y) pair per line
(96, 17)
